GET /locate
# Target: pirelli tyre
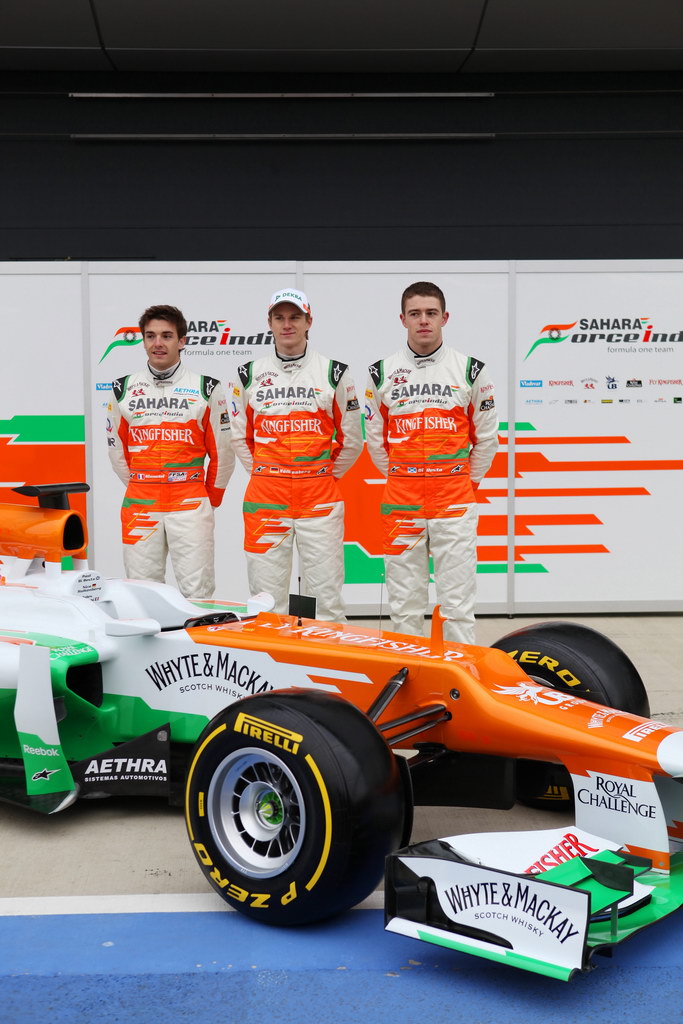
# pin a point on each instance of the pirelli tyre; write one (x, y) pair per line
(293, 801)
(578, 660)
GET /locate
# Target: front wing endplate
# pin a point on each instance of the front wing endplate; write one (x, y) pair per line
(550, 923)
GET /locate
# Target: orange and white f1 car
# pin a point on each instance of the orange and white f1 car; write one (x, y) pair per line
(281, 733)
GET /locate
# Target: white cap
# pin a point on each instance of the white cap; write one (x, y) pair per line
(290, 295)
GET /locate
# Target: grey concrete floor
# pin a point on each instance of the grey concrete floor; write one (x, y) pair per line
(139, 846)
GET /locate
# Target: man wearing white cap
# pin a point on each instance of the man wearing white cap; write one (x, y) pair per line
(296, 430)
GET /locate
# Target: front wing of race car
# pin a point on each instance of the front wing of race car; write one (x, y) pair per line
(494, 896)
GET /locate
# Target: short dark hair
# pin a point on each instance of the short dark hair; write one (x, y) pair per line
(170, 313)
(423, 288)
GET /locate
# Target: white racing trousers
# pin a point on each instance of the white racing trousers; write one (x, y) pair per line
(186, 534)
(320, 545)
(452, 544)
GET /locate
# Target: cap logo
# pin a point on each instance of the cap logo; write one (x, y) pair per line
(290, 295)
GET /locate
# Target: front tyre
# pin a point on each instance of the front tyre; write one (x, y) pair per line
(293, 801)
(578, 660)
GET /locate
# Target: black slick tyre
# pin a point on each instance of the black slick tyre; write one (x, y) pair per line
(578, 660)
(293, 801)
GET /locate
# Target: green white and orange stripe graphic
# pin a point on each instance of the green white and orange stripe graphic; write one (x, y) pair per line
(362, 489)
(41, 449)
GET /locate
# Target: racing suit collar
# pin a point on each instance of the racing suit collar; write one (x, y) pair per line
(163, 374)
(291, 363)
(166, 378)
(431, 360)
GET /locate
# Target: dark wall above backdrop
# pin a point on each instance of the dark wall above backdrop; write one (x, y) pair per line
(450, 36)
(165, 130)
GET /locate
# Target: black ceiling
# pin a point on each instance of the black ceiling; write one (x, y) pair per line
(444, 36)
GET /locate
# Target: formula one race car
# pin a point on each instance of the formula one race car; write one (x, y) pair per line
(281, 732)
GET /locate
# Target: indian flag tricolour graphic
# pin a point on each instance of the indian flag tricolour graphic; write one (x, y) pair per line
(551, 334)
(125, 336)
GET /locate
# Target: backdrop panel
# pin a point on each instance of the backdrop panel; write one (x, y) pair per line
(599, 442)
(582, 499)
(356, 317)
(42, 392)
(226, 309)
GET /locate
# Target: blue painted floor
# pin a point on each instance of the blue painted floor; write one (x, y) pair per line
(220, 967)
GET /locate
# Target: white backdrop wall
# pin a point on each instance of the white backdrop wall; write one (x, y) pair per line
(579, 511)
(44, 383)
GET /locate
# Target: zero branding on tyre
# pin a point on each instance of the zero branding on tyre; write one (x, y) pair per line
(551, 664)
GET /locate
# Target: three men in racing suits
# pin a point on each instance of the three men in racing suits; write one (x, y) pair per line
(296, 429)
(163, 423)
(432, 430)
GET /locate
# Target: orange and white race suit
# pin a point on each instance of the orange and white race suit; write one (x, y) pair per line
(296, 429)
(432, 430)
(159, 433)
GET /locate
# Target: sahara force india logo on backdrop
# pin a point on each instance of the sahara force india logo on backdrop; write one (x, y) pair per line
(620, 334)
(202, 336)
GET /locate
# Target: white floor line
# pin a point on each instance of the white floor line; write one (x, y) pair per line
(161, 903)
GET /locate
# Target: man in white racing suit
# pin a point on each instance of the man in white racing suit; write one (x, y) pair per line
(163, 423)
(431, 427)
(296, 429)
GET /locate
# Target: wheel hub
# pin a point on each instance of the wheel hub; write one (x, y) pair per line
(256, 812)
(270, 810)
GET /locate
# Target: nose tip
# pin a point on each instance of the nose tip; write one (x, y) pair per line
(670, 754)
